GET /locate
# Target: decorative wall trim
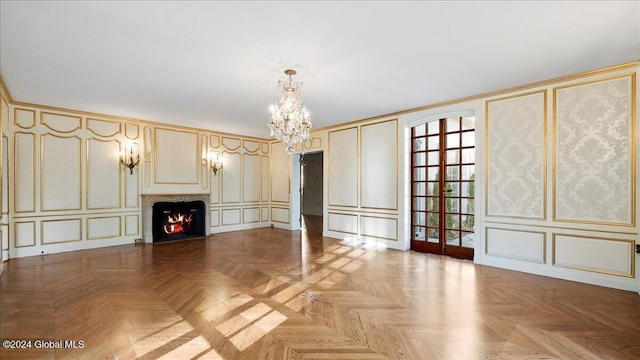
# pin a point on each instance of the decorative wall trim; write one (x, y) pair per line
(54, 234)
(95, 220)
(363, 227)
(70, 126)
(17, 119)
(103, 128)
(333, 175)
(332, 227)
(390, 169)
(88, 177)
(195, 156)
(43, 165)
(594, 145)
(516, 151)
(630, 273)
(32, 177)
(543, 245)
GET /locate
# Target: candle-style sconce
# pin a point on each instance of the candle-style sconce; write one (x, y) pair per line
(215, 161)
(129, 158)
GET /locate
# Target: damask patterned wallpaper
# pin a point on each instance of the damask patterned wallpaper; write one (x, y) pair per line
(593, 152)
(516, 156)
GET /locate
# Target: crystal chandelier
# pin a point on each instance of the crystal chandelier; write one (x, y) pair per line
(290, 121)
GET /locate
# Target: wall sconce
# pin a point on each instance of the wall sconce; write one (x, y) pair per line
(215, 161)
(127, 159)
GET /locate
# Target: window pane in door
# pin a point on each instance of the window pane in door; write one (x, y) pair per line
(468, 171)
(453, 141)
(468, 156)
(453, 157)
(433, 235)
(467, 222)
(467, 206)
(453, 237)
(467, 239)
(454, 187)
(468, 139)
(453, 172)
(419, 233)
(432, 173)
(434, 127)
(468, 123)
(453, 125)
(433, 158)
(433, 188)
(433, 142)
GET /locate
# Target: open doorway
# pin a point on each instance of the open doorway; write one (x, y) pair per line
(311, 204)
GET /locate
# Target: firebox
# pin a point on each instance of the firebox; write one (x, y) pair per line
(178, 220)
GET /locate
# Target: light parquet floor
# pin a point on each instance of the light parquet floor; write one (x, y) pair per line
(237, 296)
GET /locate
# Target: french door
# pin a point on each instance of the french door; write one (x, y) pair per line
(442, 187)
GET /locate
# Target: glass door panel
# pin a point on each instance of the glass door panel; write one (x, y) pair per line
(443, 187)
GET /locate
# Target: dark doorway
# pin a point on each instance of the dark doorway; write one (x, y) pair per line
(311, 198)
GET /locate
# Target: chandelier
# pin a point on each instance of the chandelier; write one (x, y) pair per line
(290, 121)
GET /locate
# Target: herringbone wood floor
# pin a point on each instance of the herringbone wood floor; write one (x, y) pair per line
(237, 296)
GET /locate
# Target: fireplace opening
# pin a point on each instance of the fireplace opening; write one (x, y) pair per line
(178, 220)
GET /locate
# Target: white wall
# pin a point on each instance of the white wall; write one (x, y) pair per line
(556, 170)
(70, 192)
(561, 180)
(361, 183)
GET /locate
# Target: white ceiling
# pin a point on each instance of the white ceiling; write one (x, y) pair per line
(215, 65)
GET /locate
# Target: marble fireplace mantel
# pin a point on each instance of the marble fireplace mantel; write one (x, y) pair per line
(147, 210)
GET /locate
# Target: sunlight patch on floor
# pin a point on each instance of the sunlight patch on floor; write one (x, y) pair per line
(162, 338)
(189, 350)
(222, 308)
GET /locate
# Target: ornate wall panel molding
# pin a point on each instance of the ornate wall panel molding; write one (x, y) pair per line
(104, 128)
(60, 231)
(343, 167)
(104, 227)
(60, 173)
(594, 152)
(514, 244)
(231, 178)
(516, 185)
(24, 118)
(264, 175)
(60, 123)
(24, 233)
(177, 157)
(251, 178)
(280, 172)
(104, 185)
(251, 146)
(606, 256)
(231, 144)
(24, 174)
(379, 165)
